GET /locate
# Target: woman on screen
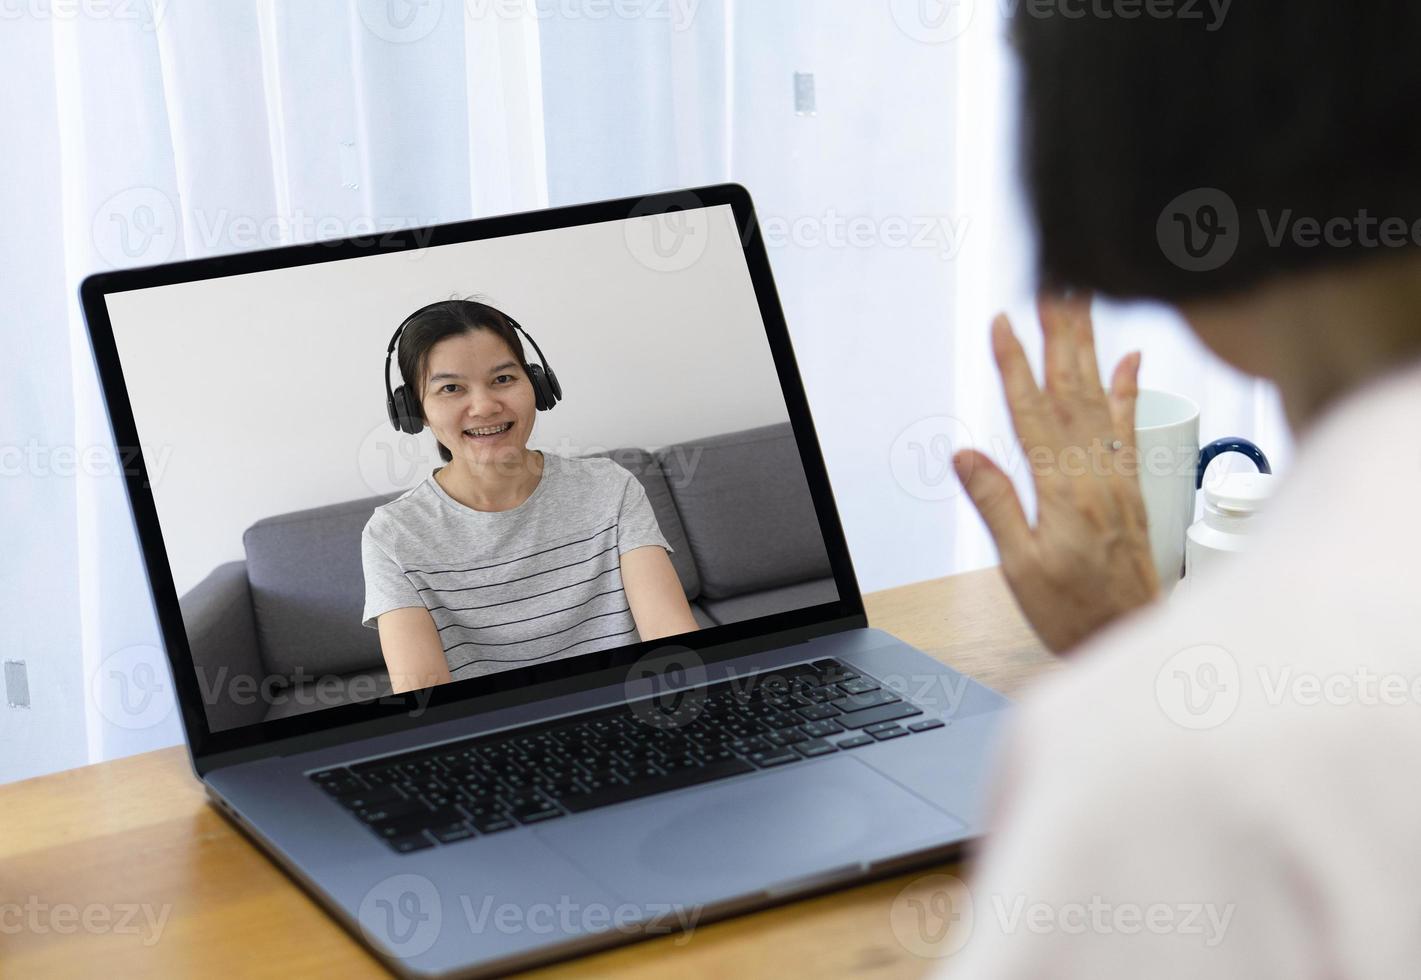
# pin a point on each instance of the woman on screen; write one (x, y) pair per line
(505, 555)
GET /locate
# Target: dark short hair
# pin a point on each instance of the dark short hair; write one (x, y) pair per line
(1302, 110)
(449, 318)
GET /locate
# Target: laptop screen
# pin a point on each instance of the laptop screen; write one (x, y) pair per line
(590, 448)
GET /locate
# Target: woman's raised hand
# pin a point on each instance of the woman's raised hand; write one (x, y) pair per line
(1087, 561)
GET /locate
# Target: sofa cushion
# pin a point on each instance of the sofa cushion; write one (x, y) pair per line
(647, 470)
(745, 506)
(308, 589)
(222, 636)
(799, 596)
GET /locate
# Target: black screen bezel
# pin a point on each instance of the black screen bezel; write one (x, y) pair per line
(712, 644)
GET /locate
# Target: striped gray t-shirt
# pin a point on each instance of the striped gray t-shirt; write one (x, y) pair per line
(536, 583)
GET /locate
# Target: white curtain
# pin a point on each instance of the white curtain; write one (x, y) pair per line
(158, 131)
(878, 147)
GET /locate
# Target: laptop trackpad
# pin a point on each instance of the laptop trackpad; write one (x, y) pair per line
(750, 833)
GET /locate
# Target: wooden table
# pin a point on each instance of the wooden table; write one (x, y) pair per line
(138, 831)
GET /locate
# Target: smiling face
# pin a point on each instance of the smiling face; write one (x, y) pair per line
(477, 399)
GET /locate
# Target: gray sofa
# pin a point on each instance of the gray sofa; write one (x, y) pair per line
(735, 507)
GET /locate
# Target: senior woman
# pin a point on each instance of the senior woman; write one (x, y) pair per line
(1263, 177)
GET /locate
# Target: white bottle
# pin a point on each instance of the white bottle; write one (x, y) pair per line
(1231, 507)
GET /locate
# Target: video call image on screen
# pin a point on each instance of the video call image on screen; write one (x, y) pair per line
(637, 481)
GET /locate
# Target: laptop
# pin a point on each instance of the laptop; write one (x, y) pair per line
(584, 775)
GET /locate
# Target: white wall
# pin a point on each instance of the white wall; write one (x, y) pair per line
(256, 395)
(870, 310)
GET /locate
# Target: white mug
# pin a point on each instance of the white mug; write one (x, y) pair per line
(1171, 468)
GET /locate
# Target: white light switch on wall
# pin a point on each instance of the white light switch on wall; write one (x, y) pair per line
(804, 99)
(17, 684)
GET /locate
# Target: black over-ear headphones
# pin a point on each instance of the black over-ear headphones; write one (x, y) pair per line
(402, 405)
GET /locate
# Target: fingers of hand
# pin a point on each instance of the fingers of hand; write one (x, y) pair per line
(1124, 392)
(1063, 376)
(995, 498)
(1077, 309)
(1025, 401)
(1124, 395)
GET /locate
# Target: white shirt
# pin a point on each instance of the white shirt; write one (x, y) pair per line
(1229, 784)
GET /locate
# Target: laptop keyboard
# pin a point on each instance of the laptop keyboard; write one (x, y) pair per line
(490, 783)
